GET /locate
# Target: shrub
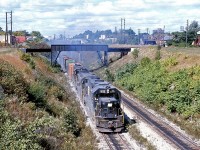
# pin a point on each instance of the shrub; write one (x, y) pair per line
(109, 75)
(55, 68)
(145, 61)
(53, 88)
(71, 121)
(169, 42)
(135, 53)
(12, 81)
(27, 57)
(170, 62)
(14, 135)
(37, 94)
(57, 92)
(126, 70)
(32, 64)
(47, 81)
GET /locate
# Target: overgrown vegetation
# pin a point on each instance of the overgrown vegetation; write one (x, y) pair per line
(41, 114)
(127, 70)
(178, 91)
(109, 75)
(71, 123)
(27, 57)
(12, 81)
(174, 92)
(36, 92)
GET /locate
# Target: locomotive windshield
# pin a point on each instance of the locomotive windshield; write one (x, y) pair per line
(108, 95)
(110, 109)
(113, 94)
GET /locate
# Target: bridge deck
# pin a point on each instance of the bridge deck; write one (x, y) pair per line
(79, 47)
(31, 50)
(85, 47)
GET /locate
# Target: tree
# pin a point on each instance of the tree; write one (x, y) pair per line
(192, 31)
(194, 26)
(37, 34)
(179, 38)
(21, 33)
(1, 29)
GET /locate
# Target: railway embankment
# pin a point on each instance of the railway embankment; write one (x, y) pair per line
(38, 109)
(164, 81)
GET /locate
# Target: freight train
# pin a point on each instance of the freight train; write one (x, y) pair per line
(102, 99)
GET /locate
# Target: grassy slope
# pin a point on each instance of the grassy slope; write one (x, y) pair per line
(28, 124)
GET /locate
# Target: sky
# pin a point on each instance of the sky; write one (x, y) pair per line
(71, 17)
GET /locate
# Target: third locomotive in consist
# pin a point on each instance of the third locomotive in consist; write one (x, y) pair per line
(102, 99)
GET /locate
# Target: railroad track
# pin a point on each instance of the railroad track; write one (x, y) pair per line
(176, 138)
(116, 141)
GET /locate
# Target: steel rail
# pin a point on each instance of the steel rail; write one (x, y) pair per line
(107, 141)
(124, 142)
(165, 129)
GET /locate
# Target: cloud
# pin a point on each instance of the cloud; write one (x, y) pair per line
(75, 16)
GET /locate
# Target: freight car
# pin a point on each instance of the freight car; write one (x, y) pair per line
(102, 99)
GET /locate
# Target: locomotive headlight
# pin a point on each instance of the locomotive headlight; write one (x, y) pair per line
(109, 104)
(107, 91)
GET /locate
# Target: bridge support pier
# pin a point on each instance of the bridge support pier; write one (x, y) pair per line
(105, 58)
(54, 56)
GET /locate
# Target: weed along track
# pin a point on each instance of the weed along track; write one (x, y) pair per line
(174, 137)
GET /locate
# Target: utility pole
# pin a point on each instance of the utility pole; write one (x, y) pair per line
(121, 31)
(124, 31)
(11, 41)
(6, 33)
(186, 38)
(138, 36)
(163, 34)
(147, 33)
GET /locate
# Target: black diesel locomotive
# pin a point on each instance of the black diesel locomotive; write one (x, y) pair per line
(102, 99)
